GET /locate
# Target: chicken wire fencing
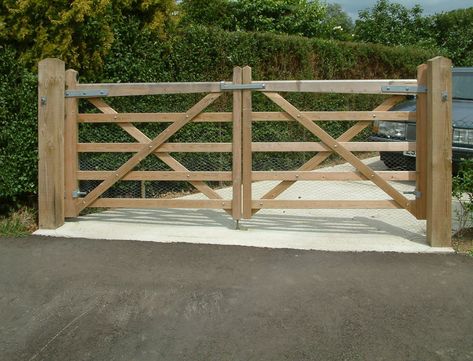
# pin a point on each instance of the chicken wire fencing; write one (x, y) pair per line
(262, 131)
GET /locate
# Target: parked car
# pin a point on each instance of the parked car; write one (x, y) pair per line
(462, 121)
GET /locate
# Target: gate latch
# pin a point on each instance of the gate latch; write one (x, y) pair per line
(77, 193)
(416, 193)
(231, 86)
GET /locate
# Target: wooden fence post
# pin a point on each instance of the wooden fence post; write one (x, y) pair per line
(439, 155)
(51, 77)
(71, 161)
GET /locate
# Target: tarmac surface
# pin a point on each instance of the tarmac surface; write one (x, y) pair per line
(80, 299)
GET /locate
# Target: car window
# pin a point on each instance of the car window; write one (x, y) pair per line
(462, 83)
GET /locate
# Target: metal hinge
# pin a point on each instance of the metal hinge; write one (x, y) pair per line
(416, 193)
(401, 89)
(232, 86)
(77, 193)
(94, 93)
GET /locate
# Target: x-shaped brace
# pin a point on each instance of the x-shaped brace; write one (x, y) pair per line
(336, 147)
(149, 147)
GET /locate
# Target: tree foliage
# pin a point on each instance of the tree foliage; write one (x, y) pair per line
(294, 17)
(448, 33)
(80, 32)
(392, 24)
(453, 32)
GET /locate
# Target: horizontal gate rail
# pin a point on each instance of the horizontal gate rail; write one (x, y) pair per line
(394, 116)
(159, 175)
(337, 86)
(330, 176)
(324, 204)
(136, 89)
(256, 147)
(162, 203)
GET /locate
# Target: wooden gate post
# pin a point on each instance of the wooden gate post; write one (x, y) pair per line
(439, 152)
(247, 155)
(51, 84)
(421, 144)
(71, 159)
(236, 147)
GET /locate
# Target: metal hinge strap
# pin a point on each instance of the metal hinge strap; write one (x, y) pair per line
(231, 86)
(95, 93)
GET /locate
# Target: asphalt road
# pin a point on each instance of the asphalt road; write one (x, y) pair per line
(78, 299)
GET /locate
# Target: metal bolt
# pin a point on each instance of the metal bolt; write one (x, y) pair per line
(43, 100)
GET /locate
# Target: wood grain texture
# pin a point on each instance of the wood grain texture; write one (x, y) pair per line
(236, 146)
(51, 86)
(439, 154)
(337, 148)
(226, 117)
(421, 145)
(147, 149)
(319, 158)
(246, 145)
(333, 86)
(71, 159)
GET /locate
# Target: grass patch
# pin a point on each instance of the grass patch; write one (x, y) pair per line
(18, 223)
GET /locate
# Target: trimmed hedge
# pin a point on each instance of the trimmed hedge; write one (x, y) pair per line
(193, 54)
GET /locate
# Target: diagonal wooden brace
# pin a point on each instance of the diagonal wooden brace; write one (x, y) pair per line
(169, 160)
(336, 147)
(320, 157)
(147, 149)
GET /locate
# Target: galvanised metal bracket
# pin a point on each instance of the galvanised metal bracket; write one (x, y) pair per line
(77, 193)
(232, 86)
(401, 89)
(416, 193)
(94, 93)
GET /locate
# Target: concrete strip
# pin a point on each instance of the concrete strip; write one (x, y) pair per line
(328, 230)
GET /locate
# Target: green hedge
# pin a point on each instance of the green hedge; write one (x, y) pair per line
(193, 54)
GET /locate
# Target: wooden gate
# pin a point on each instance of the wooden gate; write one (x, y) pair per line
(59, 194)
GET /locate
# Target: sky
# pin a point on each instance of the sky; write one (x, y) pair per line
(430, 6)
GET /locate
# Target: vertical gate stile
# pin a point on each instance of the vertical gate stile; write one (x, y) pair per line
(71, 161)
(51, 84)
(236, 146)
(247, 146)
(439, 156)
(421, 144)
